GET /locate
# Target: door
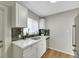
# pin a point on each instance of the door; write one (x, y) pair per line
(77, 34)
(1, 34)
(5, 28)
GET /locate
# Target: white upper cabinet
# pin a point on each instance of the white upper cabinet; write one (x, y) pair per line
(19, 15)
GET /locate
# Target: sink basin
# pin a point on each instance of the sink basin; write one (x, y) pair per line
(35, 38)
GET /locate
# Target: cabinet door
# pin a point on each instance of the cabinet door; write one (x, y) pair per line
(19, 15)
(39, 46)
(34, 47)
(17, 52)
(22, 16)
(43, 46)
(30, 52)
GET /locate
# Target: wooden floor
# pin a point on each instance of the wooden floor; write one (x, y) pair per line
(55, 54)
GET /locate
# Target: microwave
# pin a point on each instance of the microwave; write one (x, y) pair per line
(46, 32)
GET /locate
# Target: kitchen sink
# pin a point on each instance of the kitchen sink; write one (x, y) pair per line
(35, 38)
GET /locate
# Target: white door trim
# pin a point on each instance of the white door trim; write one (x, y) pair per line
(5, 19)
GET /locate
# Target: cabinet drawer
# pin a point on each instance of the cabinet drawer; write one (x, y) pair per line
(29, 56)
(30, 53)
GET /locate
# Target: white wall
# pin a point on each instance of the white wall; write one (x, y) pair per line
(60, 26)
(33, 16)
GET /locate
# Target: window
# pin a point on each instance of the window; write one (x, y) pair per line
(32, 26)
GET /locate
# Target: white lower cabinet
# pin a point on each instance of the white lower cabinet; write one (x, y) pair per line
(41, 47)
(30, 52)
(34, 51)
(17, 52)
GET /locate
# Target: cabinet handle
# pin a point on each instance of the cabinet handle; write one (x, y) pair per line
(1, 41)
(74, 45)
(1, 46)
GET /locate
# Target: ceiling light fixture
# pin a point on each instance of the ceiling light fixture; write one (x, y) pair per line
(53, 1)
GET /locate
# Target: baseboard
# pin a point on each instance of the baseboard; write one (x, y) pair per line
(61, 51)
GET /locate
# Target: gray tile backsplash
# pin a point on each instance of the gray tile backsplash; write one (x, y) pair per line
(15, 33)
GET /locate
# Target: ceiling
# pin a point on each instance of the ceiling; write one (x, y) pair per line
(46, 8)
